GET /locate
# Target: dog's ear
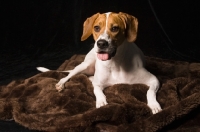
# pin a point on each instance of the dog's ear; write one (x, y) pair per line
(131, 25)
(87, 26)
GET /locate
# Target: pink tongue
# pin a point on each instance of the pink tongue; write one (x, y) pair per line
(103, 56)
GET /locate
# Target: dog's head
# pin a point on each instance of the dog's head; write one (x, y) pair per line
(109, 31)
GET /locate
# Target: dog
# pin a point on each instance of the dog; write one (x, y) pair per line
(115, 58)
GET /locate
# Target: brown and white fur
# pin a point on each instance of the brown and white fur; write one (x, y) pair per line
(114, 58)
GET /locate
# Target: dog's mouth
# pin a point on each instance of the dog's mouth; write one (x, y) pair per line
(105, 55)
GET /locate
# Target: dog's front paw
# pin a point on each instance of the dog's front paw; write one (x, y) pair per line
(101, 102)
(60, 85)
(155, 107)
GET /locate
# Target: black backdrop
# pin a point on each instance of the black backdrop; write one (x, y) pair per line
(46, 32)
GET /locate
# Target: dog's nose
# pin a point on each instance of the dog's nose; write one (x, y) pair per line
(102, 44)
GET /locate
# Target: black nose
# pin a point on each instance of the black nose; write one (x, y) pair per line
(102, 44)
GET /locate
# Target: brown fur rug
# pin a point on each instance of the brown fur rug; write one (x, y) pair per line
(35, 103)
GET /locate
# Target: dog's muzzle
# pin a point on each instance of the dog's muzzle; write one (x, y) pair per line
(106, 51)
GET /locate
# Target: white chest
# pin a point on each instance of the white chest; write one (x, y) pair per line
(108, 74)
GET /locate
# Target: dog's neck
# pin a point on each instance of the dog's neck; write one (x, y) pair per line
(122, 50)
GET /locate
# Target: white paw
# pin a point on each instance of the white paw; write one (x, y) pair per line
(155, 107)
(60, 84)
(101, 102)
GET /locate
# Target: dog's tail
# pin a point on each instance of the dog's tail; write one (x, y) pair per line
(42, 69)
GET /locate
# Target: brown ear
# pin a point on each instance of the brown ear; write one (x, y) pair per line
(131, 25)
(87, 26)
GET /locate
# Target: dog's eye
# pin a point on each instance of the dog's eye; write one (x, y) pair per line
(114, 29)
(97, 28)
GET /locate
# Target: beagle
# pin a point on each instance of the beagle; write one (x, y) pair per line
(115, 58)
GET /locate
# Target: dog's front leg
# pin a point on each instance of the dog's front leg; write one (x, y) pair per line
(151, 96)
(100, 97)
(86, 67)
(152, 102)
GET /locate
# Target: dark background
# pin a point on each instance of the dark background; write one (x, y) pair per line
(47, 32)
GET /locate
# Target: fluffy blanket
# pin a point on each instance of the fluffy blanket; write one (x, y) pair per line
(35, 103)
